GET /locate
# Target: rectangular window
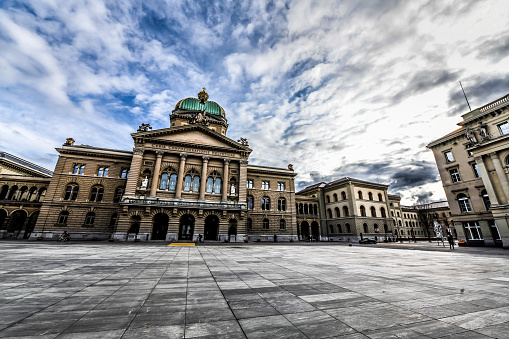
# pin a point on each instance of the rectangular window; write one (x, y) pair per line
(504, 128)
(280, 186)
(472, 230)
(103, 171)
(455, 175)
(249, 183)
(265, 185)
(475, 168)
(124, 173)
(82, 169)
(448, 156)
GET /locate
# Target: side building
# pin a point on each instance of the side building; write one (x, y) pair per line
(473, 162)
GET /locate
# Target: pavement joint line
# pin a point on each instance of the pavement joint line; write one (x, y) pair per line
(138, 311)
(191, 244)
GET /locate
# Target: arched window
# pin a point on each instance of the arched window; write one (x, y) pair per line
(102, 171)
(340, 230)
(89, 219)
(71, 192)
(217, 185)
(32, 194)
(365, 228)
(363, 211)
(281, 204)
(249, 223)
(336, 211)
(62, 217)
(282, 224)
(328, 198)
(370, 196)
(380, 197)
(315, 209)
(343, 195)
(192, 182)
(373, 211)
(301, 209)
(386, 229)
(331, 229)
(345, 211)
(360, 194)
(329, 213)
(406, 223)
(399, 223)
(265, 204)
(3, 193)
(348, 229)
(124, 173)
(164, 181)
(13, 193)
(119, 191)
(486, 199)
(42, 194)
(382, 212)
(265, 224)
(96, 194)
(335, 196)
(250, 202)
(463, 203)
(306, 209)
(22, 193)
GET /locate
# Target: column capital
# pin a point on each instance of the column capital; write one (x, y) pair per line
(183, 156)
(159, 154)
(138, 151)
(493, 155)
(478, 159)
(226, 161)
(244, 162)
(206, 159)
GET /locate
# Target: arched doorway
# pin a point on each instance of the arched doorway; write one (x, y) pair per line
(3, 216)
(30, 225)
(305, 230)
(186, 228)
(211, 227)
(232, 230)
(315, 230)
(160, 226)
(17, 221)
(134, 226)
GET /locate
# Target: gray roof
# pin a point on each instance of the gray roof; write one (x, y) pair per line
(23, 163)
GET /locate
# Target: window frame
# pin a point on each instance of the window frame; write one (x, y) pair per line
(447, 160)
(455, 177)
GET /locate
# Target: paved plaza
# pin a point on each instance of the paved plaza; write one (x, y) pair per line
(126, 290)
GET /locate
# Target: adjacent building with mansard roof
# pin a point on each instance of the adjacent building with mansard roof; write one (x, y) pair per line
(473, 162)
(185, 182)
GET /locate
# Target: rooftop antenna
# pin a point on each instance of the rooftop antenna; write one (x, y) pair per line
(465, 97)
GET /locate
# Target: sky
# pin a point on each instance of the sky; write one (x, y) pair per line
(336, 88)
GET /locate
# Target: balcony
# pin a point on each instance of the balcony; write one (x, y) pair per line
(202, 205)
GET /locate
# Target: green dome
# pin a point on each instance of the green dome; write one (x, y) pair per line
(193, 104)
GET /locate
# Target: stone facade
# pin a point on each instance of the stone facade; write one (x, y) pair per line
(473, 163)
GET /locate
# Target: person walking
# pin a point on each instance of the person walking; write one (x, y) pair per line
(450, 238)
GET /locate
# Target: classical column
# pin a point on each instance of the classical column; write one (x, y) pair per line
(203, 182)
(180, 177)
(224, 196)
(134, 172)
(486, 180)
(155, 175)
(243, 182)
(501, 176)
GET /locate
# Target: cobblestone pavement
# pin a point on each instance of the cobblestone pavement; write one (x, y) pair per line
(104, 290)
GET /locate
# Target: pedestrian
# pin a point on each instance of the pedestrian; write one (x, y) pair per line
(200, 238)
(450, 238)
(408, 239)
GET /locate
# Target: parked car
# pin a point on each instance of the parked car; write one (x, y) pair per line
(367, 241)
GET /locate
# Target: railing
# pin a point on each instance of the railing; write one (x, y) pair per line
(183, 203)
(495, 104)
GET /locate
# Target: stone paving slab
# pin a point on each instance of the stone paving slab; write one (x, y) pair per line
(105, 290)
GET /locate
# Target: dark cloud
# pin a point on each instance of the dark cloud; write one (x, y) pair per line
(424, 81)
(494, 49)
(479, 90)
(414, 176)
(423, 198)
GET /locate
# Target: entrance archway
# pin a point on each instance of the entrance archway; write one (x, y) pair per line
(315, 230)
(160, 226)
(3, 216)
(211, 227)
(232, 229)
(186, 228)
(17, 221)
(30, 225)
(305, 230)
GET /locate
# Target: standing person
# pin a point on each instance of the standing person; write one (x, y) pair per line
(451, 240)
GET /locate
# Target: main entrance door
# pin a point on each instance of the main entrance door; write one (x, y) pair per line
(160, 227)
(211, 227)
(305, 230)
(186, 228)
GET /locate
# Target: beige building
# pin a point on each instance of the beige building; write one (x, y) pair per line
(346, 210)
(186, 182)
(23, 187)
(473, 162)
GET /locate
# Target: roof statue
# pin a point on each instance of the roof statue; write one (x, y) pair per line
(243, 141)
(69, 141)
(203, 96)
(144, 127)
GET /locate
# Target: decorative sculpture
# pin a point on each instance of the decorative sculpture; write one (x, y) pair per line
(483, 131)
(290, 167)
(144, 127)
(469, 134)
(144, 183)
(243, 141)
(203, 96)
(69, 141)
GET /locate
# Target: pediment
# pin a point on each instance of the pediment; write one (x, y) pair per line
(191, 134)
